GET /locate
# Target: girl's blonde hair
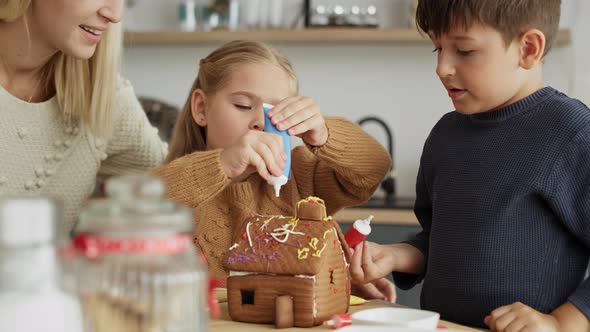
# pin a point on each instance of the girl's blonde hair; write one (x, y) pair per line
(214, 71)
(85, 89)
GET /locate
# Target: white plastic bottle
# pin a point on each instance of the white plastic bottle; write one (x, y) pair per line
(30, 295)
(278, 181)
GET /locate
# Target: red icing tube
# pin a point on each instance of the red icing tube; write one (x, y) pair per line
(338, 321)
(358, 232)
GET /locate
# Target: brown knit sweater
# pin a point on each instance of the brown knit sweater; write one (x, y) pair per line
(343, 172)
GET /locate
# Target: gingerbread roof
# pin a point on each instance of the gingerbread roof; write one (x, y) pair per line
(287, 245)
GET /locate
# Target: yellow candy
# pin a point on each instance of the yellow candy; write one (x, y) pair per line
(355, 300)
(221, 294)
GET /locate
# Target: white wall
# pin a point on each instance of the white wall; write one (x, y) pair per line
(581, 49)
(394, 82)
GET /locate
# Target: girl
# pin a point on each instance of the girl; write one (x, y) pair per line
(220, 159)
(65, 114)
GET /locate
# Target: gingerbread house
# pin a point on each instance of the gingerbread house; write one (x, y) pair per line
(291, 271)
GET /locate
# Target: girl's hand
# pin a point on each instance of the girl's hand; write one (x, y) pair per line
(302, 118)
(256, 151)
(371, 261)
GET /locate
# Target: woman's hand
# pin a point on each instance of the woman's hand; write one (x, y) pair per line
(301, 116)
(256, 151)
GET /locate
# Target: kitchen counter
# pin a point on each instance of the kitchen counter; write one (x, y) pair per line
(398, 211)
(401, 217)
(401, 203)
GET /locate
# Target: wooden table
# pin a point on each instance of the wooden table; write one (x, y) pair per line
(225, 324)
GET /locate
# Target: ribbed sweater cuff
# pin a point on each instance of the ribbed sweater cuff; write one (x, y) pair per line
(208, 170)
(203, 177)
(355, 155)
(241, 189)
(406, 281)
(341, 141)
(581, 298)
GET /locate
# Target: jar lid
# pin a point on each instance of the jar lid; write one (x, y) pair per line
(27, 221)
(135, 207)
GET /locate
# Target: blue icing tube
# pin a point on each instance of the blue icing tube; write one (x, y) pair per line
(278, 181)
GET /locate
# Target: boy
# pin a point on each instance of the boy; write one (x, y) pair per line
(503, 190)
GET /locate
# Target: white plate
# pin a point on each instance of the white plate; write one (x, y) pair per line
(370, 328)
(401, 317)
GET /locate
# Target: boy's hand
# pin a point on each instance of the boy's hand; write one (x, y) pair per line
(519, 317)
(302, 118)
(371, 261)
(381, 289)
(256, 151)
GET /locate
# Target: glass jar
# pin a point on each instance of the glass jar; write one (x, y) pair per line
(133, 264)
(31, 298)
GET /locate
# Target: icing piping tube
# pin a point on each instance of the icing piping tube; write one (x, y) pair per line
(338, 321)
(359, 231)
(278, 181)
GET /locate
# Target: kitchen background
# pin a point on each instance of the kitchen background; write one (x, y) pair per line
(395, 81)
(387, 72)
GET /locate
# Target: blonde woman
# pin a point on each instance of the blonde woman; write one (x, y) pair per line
(65, 114)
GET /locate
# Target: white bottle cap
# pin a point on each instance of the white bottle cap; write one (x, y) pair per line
(363, 226)
(27, 221)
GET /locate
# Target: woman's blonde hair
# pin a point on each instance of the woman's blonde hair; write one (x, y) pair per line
(214, 71)
(85, 89)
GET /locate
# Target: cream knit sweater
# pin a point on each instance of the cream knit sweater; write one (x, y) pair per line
(40, 155)
(343, 172)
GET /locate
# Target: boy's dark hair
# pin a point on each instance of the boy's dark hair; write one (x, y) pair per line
(510, 17)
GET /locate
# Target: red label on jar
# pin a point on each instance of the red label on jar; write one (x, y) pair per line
(94, 246)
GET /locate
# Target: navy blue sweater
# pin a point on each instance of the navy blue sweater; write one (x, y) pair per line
(504, 202)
